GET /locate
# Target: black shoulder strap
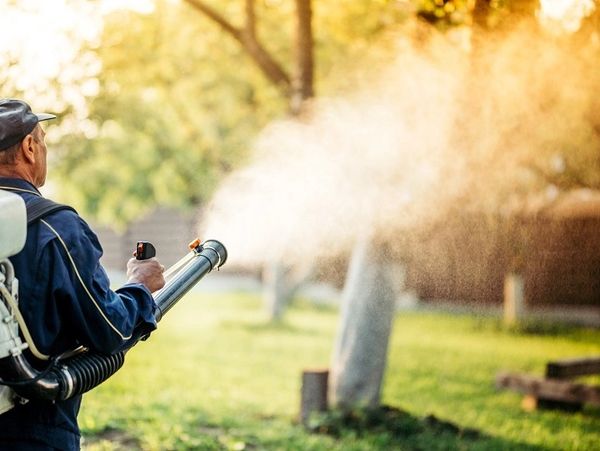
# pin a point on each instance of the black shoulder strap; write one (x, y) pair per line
(39, 207)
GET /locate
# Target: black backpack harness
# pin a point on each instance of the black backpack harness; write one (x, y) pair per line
(38, 207)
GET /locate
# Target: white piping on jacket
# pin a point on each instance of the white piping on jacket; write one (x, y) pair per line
(12, 188)
(83, 284)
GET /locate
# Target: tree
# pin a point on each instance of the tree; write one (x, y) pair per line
(172, 115)
(279, 287)
(366, 317)
(297, 88)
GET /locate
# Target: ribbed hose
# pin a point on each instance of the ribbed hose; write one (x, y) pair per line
(83, 372)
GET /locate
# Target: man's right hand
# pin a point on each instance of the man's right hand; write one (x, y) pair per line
(147, 272)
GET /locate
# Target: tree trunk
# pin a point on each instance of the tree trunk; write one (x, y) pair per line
(479, 36)
(278, 288)
(303, 84)
(275, 290)
(313, 393)
(481, 12)
(360, 352)
(280, 285)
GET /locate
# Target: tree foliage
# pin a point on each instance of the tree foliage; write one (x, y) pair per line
(179, 101)
(174, 112)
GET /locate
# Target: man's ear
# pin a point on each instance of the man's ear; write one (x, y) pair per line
(27, 150)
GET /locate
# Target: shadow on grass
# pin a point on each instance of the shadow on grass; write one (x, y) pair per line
(384, 428)
(118, 438)
(205, 438)
(280, 326)
(538, 327)
(591, 411)
(394, 428)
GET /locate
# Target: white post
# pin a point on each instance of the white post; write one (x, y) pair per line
(514, 298)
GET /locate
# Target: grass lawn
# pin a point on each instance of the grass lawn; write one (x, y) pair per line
(217, 376)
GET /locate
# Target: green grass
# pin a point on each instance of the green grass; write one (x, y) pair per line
(217, 376)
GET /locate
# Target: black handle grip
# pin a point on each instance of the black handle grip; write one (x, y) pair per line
(144, 250)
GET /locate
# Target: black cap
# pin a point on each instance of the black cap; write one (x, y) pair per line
(17, 121)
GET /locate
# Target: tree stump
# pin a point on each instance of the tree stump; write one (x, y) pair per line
(313, 393)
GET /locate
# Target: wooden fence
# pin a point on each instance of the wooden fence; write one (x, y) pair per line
(168, 229)
(468, 261)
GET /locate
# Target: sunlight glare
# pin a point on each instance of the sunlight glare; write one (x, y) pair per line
(41, 40)
(567, 14)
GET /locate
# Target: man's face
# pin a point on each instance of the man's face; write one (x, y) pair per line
(40, 155)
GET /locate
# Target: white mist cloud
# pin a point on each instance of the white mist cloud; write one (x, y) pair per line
(566, 14)
(427, 139)
(357, 165)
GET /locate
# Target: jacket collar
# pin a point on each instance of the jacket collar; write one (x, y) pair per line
(18, 186)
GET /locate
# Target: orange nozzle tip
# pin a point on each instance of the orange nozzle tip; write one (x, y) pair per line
(194, 244)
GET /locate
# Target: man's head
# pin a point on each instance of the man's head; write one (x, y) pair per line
(22, 146)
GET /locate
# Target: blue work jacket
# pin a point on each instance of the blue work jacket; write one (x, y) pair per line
(66, 301)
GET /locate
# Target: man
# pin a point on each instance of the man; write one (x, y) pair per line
(65, 297)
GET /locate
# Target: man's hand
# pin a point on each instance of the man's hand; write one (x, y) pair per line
(147, 272)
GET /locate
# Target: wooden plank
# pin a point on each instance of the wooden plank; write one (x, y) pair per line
(564, 369)
(549, 389)
(531, 403)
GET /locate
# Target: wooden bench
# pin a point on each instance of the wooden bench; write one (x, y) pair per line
(557, 389)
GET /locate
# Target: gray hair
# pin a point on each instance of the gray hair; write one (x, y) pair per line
(8, 156)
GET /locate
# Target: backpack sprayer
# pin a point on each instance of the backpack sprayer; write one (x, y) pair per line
(70, 375)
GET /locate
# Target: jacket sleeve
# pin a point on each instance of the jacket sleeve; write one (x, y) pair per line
(85, 306)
